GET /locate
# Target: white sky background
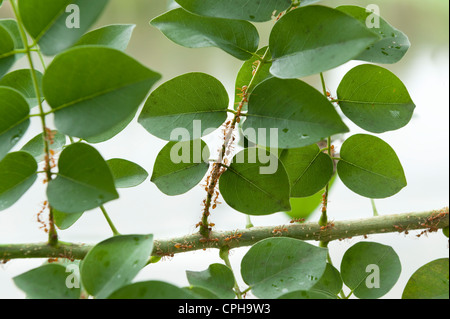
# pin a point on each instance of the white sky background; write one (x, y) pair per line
(422, 147)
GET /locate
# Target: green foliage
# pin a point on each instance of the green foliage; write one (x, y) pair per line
(94, 90)
(84, 180)
(429, 281)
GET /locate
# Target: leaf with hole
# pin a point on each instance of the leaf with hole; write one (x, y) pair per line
(289, 114)
(180, 166)
(308, 168)
(36, 145)
(102, 88)
(393, 44)
(114, 262)
(126, 173)
(47, 282)
(375, 99)
(84, 180)
(60, 23)
(14, 119)
(18, 172)
(276, 266)
(22, 81)
(218, 278)
(185, 108)
(370, 167)
(314, 39)
(429, 281)
(236, 37)
(116, 36)
(370, 270)
(252, 10)
(256, 183)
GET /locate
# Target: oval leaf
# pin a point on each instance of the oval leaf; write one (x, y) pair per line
(84, 180)
(253, 10)
(375, 99)
(311, 40)
(370, 270)
(115, 36)
(61, 22)
(293, 110)
(64, 220)
(370, 167)
(114, 262)
(126, 173)
(308, 168)
(91, 97)
(14, 119)
(47, 282)
(180, 166)
(218, 278)
(245, 75)
(151, 290)
(7, 58)
(22, 81)
(276, 266)
(330, 283)
(36, 145)
(429, 281)
(18, 171)
(393, 44)
(256, 183)
(236, 37)
(179, 108)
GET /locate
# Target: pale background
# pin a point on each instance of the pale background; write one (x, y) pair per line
(422, 147)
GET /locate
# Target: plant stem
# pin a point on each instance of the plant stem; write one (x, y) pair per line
(429, 220)
(52, 234)
(110, 223)
(218, 166)
(374, 208)
(224, 254)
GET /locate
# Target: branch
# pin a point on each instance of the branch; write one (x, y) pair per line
(429, 221)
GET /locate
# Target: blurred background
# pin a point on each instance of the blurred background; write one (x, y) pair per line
(422, 147)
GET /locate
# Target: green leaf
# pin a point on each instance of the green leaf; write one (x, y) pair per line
(330, 283)
(180, 166)
(14, 119)
(375, 99)
(393, 44)
(293, 110)
(218, 278)
(22, 81)
(64, 220)
(200, 293)
(276, 266)
(245, 75)
(429, 281)
(256, 183)
(60, 23)
(36, 145)
(126, 173)
(151, 290)
(47, 282)
(179, 108)
(314, 39)
(370, 167)
(303, 294)
(116, 36)
(10, 40)
(102, 88)
(114, 262)
(370, 270)
(252, 10)
(84, 180)
(236, 37)
(445, 231)
(308, 168)
(304, 207)
(18, 171)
